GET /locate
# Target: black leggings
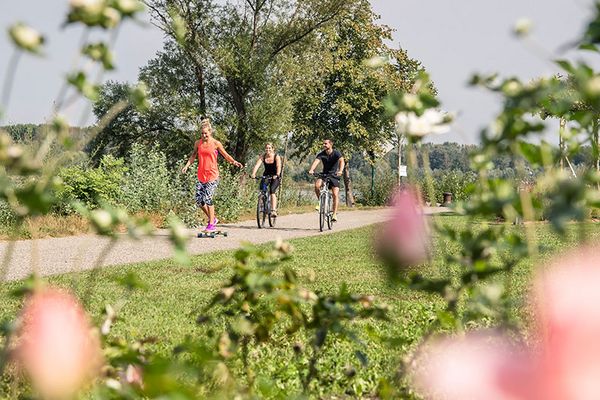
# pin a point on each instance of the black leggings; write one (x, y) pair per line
(272, 187)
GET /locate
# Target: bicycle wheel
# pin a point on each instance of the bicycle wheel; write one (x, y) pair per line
(322, 208)
(329, 211)
(272, 218)
(260, 211)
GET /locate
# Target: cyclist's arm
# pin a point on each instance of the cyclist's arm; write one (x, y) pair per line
(256, 167)
(192, 158)
(313, 166)
(278, 164)
(227, 156)
(342, 164)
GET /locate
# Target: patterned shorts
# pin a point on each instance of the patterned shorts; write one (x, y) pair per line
(205, 192)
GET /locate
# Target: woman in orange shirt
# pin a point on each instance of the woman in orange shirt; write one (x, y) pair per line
(207, 150)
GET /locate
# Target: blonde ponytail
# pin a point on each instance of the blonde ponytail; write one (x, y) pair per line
(205, 123)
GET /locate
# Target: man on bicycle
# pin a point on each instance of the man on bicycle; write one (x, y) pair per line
(333, 164)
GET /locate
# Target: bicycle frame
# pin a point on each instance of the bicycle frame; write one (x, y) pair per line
(263, 207)
(325, 202)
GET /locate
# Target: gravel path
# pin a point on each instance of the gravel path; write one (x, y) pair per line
(77, 253)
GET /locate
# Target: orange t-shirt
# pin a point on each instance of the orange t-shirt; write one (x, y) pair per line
(208, 169)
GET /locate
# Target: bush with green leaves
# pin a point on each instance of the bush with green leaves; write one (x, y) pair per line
(456, 182)
(262, 298)
(7, 215)
(378, 191)
(234, 195)
(147, 184)
(92, 186)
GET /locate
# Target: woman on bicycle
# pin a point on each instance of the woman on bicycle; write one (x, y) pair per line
(272, 163)
(207, 150)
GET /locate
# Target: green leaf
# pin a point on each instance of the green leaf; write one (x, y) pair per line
(531, 152)
(131, 281)
(447, 320)
(589, 47)
(567, 66)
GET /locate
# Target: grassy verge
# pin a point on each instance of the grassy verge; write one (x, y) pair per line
(69, 225)
(167, 309)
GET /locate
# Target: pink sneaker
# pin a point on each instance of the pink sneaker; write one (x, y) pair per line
(216, 222)
(210, 228)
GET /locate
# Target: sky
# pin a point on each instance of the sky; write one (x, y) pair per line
(453, 39)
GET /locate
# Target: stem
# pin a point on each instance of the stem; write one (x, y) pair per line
(10, 79)
(245, 356)
(88, 107)
(91, 281)
(60, 98)
(312, 369)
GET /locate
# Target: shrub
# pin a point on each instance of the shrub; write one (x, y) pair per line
(383, 190)
(92, 186)
(452, 181)
(234, 196)
(182, 198)
(147, 184)
(7, 215)
(295, 194)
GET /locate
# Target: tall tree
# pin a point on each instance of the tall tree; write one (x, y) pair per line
(344, 98)
(246, 43)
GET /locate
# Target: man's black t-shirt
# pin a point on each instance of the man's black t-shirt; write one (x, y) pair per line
(330, 161)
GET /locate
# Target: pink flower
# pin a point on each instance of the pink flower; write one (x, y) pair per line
(404, 240)
(57, 347)
(564, 363)
(133, 375)
(467, 368)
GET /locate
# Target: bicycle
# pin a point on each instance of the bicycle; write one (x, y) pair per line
(263, 206)
(325, 201)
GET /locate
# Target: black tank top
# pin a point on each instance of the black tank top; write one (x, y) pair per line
(270, 169)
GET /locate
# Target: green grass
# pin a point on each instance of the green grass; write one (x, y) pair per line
(167, 309)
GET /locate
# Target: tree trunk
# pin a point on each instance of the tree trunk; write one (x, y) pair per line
(199, 71)
(348, 185)
(240, 144)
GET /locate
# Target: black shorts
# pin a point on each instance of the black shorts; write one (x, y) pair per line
(273, 185)
(333, 182)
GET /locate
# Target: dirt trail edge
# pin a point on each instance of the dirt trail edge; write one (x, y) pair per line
(78, 253)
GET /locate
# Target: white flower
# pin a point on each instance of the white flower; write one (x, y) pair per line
(129, 7)
(412, 101)
(88, 6)
(522, 27)
(592, 86)
(432, 121)
(26, 37)
(102, 219)
(512, 88)
(86, 3)
(112, 17)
